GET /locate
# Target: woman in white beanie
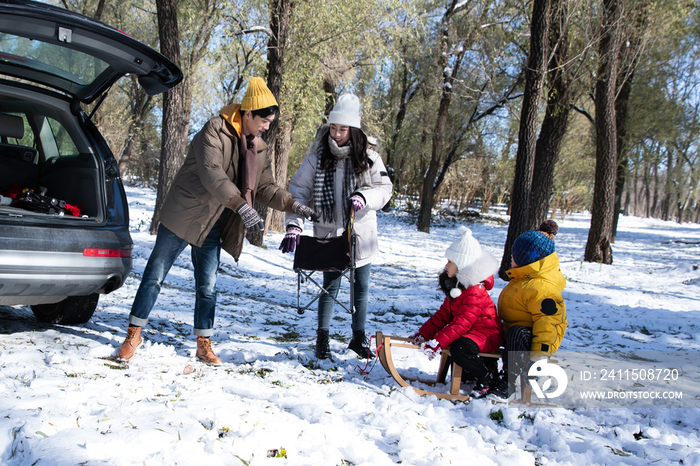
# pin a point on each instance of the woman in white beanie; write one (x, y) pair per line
(341, 172)
(467, 321)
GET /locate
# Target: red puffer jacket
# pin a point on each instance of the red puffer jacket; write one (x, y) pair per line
(472, 314)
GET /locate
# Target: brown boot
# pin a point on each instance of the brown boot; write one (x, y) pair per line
(133, 340)
(205, 353)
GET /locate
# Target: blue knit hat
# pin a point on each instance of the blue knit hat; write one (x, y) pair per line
(534, 245)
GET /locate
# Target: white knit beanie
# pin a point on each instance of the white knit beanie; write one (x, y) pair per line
(346, 111)
(465, 250)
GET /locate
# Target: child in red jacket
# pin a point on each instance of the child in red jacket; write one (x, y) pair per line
(467, 321)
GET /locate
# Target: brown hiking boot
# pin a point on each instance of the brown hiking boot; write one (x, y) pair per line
(133, 340)
(205, 353)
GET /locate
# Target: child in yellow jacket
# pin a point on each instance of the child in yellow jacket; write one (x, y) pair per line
(531, 305)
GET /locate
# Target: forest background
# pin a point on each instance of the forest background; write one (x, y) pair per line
(542, 106)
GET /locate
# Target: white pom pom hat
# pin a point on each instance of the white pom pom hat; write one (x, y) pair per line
(473, 264)
(465, 250)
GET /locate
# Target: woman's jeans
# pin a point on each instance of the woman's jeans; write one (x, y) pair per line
(205, 260)
(326, 304)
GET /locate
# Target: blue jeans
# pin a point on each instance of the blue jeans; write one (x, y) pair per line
(205, 260)
(326, 304)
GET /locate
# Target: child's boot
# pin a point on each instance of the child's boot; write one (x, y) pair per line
(483, 385)
(503, 390)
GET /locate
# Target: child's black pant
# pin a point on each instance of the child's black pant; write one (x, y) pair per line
(465, 352)
(517, 351)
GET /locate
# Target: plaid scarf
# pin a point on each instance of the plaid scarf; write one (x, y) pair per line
(324, 182)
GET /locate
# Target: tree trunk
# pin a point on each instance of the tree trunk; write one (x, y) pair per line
(666, 209)
(280, 14)
(647, 192)
(598, 245)
(428, 190)
(556, 117)
(99, 10)
(633, 191)
(520, 215)
(621, 106)
(331, 97)
(125, 156)
(448, 80)
(139, 110)
(408, 91)
(632, 51)
(679, 189)
(283, 143)
(280, 17)
(173, 140)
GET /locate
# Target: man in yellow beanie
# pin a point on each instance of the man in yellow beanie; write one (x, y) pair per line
(210, 207)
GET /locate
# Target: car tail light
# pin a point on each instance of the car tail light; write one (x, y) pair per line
(96, 252)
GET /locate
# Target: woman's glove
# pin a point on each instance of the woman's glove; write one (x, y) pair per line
(431, 349)
(305, 211)
(291, 239)
(252, 221)
(417, 338)
(357, 202)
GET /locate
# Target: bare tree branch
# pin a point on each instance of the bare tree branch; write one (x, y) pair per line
(583, 112)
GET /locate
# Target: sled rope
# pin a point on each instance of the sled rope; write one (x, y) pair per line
(364, 370)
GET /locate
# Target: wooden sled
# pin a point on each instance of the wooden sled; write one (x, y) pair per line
(385, 343)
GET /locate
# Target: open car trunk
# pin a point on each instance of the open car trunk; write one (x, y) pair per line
(64, 189)
(49, 168)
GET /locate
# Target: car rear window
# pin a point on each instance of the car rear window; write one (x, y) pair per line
(64, 142)
(72, 65)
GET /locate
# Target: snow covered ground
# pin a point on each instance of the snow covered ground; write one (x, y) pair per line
(66, 401)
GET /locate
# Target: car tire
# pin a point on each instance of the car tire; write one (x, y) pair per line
(71, 311)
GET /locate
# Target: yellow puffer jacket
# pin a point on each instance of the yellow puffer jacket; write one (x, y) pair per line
(533, 299)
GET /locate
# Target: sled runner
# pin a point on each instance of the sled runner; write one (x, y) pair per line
(385, 344)
(326, 255)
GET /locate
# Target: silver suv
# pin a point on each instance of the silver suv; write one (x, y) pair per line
(64, 220)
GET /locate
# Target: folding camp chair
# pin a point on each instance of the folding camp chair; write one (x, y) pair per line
(326, 255)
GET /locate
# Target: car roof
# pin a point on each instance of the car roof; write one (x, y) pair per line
(75, 54)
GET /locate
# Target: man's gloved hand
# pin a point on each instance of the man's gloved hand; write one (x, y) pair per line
(251, 219)
(357, 202)
(291, 239)
(305, 211)
(431, 349)
(417, 338)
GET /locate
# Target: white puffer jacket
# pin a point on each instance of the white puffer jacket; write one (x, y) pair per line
(377, 194)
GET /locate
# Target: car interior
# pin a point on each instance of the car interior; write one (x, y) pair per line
(43, 150)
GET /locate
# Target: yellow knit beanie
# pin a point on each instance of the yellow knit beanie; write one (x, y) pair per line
(258, 96)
